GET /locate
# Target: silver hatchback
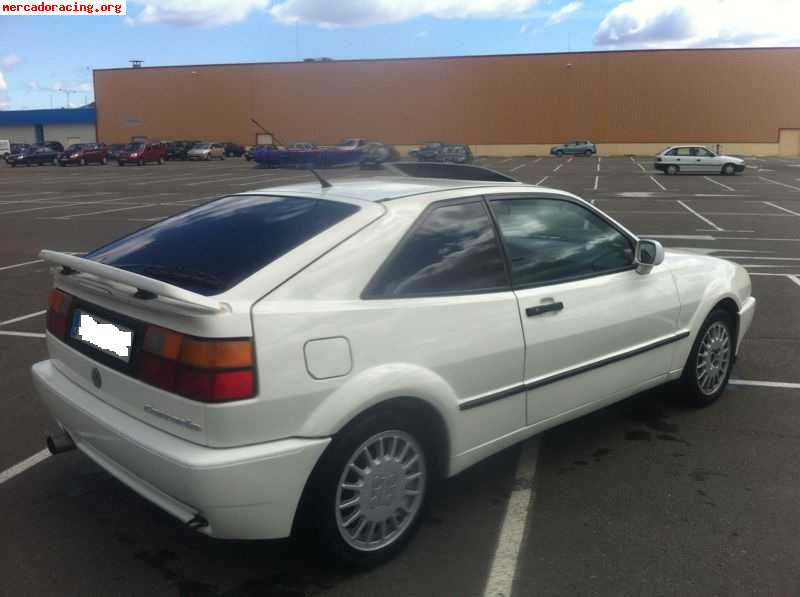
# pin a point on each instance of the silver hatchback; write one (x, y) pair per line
(696, 158)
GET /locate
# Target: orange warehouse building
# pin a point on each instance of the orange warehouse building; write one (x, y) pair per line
(746, 100)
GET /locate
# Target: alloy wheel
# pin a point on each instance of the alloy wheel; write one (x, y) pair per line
(381, 490)
(713, 359)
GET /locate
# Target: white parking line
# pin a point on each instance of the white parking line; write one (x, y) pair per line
(794, 213)
(765, 384)
(724, 186)
(783, 184)
(515, 168)
(596, 180)
(795, 279)
(22, 334)
(541, 181)
(556, 169)
(24, 263)
(520, 503)
(661, 186)
(640, 166)
(103, 211)
(705, 219)
(22, 318)
(570, 159)
(536, 160)
(21, 467)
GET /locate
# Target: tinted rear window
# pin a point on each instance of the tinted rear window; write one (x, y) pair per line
(214, 247)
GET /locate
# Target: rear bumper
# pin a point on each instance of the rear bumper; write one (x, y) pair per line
(746, 314)
(249, 492)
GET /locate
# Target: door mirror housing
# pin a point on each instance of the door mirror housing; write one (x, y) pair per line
(649, 253)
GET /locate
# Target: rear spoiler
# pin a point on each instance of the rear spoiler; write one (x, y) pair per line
(109, 278)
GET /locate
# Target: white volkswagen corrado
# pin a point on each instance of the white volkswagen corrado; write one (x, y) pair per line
(315, 357)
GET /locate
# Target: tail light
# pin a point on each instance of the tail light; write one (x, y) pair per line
(57, 313)
(199, 369)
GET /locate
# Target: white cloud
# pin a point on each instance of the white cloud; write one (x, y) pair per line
(564, 12)
(524, 28)
(9, 61)
(3, 84)
(378, 12)
(695, 23)
(195, 13)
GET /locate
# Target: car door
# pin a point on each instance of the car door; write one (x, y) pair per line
(446, 292)
(594, 328)
(706, 161)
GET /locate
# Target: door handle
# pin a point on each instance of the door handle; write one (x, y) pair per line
(534, 311)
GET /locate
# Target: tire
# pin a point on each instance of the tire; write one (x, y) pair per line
(671, 170)
(409, 468)
(588, 153)
(559, 153)
(120, 163)
(140, 162)
(729, 169)
(708, 368)
(83, 161)
(13, 165)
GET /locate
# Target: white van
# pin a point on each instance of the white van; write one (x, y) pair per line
(5, 147)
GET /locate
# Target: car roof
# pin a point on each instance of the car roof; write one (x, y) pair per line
(384, 188)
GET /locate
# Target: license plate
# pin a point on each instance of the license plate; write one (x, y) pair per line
(110, 338)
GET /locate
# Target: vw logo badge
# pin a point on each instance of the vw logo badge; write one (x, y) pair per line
(96, 379)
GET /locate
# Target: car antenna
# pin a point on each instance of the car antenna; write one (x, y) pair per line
(322, 182)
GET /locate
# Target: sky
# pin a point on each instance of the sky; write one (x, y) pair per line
(47, 61)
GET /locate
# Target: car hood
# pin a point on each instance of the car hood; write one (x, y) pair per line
(206, 150)
(732, 159)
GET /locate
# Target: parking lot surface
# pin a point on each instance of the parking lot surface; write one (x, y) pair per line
(643, 498)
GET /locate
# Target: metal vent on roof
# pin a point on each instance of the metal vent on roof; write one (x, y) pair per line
(454, 171)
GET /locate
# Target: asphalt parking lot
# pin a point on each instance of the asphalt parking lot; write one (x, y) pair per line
(643, 498)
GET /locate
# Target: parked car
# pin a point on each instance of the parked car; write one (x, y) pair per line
(376, 154)
(687, 159)
(429, 152)
(233, 150)
(15, 149)
(114, 150)
(5, 148)
(33, 155)
(586, 148)
(458, 154)
(141, 153)
(291, 374)
(207, 151)
(179, 150)
(83, 154)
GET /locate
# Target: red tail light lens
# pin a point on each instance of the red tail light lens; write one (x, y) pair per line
(58, 312)
(199, 369)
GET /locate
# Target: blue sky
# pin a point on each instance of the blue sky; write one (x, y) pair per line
(40, 57)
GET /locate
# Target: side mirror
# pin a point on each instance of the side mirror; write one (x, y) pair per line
(649, 253)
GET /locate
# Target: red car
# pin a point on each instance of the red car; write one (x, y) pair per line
(84, 153)
(141, 153)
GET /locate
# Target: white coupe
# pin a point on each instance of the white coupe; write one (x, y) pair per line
(311, 358)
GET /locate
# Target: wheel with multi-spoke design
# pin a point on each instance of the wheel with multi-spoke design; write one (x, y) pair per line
(709, 365)
(369, 489)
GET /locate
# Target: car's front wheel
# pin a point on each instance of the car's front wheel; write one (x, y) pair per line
(559, 153)
(588, 153)
(729, 169)
(369, 489)
(708, 368)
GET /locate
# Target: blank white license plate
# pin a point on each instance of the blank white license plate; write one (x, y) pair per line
(110, 338)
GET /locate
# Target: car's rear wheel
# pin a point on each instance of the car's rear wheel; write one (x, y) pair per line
(708, 368)
(729, 169)
(671, 169)
(588, 153)
(559, 153)
(369, 489)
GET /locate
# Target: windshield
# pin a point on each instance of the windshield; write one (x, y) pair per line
(134, 146)
(214, 247)
(202, 146)
(74, 147)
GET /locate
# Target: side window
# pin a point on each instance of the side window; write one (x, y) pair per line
(702, 152)
(453, 250)
(672, 152)
(549, 240)
(684, 151)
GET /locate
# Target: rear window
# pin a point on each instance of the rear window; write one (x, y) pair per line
(214, 247)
